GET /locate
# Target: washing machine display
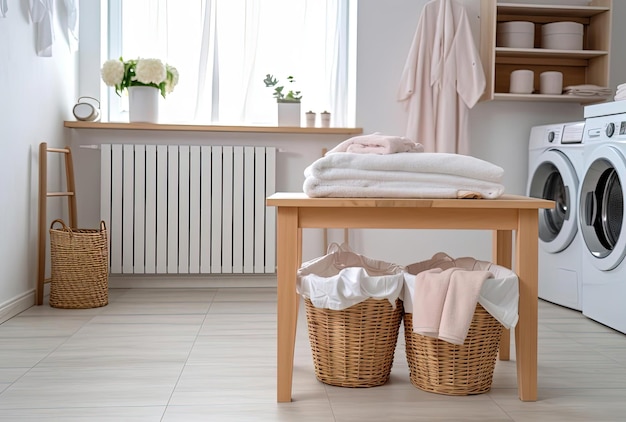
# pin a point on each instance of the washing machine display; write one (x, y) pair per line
(554, 170)
(602, 220)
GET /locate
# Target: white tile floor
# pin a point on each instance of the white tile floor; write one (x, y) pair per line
(209, 355)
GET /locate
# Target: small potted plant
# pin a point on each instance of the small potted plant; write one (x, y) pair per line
(288, 103)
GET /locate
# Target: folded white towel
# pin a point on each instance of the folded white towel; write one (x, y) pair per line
(621, 86)
(420, 186)
(587, 90)
(343, 165)
(377, 143)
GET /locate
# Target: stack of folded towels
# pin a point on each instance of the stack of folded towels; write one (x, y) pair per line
(587, 90)
(621, 92)
(380, 166)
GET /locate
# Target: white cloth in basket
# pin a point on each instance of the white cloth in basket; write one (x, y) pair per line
(498, 295)
(343, 278)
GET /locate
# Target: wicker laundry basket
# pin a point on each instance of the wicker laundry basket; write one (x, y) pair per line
(79, 261)
(354, 347)
(441, 367)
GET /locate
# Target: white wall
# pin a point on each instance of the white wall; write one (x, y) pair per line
(37, 95)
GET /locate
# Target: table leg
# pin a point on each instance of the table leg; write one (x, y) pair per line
(502, 255)
(526, 250)
(288, 251)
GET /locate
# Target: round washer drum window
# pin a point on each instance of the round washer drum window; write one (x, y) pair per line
(553, 219)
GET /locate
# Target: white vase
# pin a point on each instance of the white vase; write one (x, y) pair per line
(289, 114)
(143, 104)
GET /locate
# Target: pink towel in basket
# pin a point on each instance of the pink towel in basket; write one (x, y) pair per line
(444, 302)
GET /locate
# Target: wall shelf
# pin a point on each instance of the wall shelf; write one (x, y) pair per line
(579, 67)
(581, 99)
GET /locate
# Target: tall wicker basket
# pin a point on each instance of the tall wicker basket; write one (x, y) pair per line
(354, 347)
(79, 261)
(457, 370)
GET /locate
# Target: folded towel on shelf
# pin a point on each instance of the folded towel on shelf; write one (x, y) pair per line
(620, 94)
(444, 302)
(377, 143)
(343, 166)
(389, 184)
(587, 90)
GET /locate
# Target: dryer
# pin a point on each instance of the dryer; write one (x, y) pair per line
(555, 164)
(601, 214)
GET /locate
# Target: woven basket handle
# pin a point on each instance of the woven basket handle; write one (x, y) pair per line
(103, 226)
(58, 220)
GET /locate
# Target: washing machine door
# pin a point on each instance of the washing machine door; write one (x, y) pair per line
(553, 177)
(601, 207)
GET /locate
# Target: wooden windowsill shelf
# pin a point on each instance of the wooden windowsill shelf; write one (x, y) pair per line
(211, 128)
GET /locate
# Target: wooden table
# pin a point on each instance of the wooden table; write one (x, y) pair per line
(504, 215)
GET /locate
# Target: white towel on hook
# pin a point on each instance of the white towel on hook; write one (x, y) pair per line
(41, 14)
(71, 10)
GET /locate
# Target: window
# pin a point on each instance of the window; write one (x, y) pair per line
(224, 48)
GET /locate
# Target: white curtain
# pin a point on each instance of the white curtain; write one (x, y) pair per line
(224, 48)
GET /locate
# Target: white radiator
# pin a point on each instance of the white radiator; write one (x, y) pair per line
(178, 209)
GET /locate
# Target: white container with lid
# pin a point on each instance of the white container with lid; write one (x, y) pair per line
(522, 81)
(562, 36)
(515, 34)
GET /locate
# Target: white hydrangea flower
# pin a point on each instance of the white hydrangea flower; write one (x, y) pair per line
(112, 72)
(150, 71)
(172, 79)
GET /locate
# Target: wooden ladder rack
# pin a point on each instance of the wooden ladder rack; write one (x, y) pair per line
(70, 193)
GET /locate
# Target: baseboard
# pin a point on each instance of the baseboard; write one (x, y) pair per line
(192, 281)
(18, 304)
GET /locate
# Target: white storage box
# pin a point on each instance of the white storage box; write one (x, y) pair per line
(515, 34)
(562, 36)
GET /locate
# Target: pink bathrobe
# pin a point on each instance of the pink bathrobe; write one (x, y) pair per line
(442, 78)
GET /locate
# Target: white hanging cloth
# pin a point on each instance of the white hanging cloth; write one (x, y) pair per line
(71, 9)
(442, 79)
(3, 8)
(41, 15)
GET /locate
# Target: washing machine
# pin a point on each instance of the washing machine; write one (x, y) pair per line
(601, 214)
(555, 164)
